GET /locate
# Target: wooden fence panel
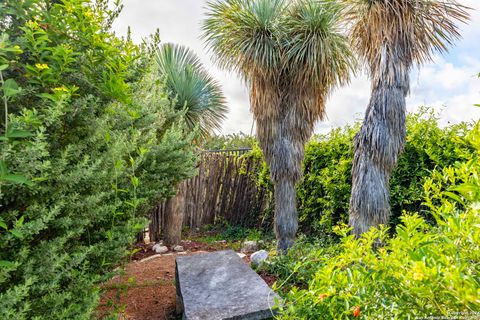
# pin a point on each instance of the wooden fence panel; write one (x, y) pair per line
(221, 191)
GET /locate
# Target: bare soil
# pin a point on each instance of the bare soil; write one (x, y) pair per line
(146, 290)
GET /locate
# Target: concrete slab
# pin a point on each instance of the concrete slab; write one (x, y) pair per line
(220, 286)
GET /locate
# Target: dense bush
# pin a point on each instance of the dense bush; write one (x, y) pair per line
(324, 191)
(423, 270)
(89, 143)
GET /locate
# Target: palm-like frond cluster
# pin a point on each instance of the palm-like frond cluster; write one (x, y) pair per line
(193, 89)
(413, 30)
(291, 54)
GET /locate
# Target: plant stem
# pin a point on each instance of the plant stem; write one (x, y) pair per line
(6, 117)
(5, 103)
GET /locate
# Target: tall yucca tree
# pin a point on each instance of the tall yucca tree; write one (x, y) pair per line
(291, 54)
(196, 93)
(390, 36)
(192, 88)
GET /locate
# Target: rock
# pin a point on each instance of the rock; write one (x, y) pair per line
(221, 241)
(219, 285)
(249, 246)
(241, 255)
(259, 257)
(158, 248)
(178, 248)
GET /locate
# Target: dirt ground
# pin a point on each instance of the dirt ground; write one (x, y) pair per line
(146, 290)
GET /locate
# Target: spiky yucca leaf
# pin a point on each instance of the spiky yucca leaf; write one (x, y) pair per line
(415, 29)
(192, 88)
(242, 35)
(316, 45)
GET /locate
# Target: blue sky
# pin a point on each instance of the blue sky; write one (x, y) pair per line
(449, 84)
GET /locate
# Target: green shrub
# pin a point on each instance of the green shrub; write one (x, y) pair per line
(324, 191)
(420, 271)
(92, 144)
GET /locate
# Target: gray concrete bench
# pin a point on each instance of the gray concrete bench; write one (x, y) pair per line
(220, 286)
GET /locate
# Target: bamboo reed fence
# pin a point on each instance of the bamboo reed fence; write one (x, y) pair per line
(222, 191)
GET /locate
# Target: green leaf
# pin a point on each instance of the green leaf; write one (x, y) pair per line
(6, 264)
(3, 169)
(466, 189)
(16, 233)
(20, 222)
(14, 133)
(453, 196)
(3, 67)
(138, 226)
(15, 178)
(3, 224)
(135, 181)
(11, 88)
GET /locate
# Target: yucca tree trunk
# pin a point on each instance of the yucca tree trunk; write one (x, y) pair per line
(282, 141)
(379, 143)
(286, 221)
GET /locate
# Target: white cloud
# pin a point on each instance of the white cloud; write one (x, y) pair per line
(448, 81)
(450, 89)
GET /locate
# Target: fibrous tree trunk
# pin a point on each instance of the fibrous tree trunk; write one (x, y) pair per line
(174, 214)
(282, 131)
(379, 143)
(286, 221)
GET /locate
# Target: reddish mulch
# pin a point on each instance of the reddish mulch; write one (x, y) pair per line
(146, 291)
(268, 278)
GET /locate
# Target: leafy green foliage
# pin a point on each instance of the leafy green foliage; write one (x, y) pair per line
(90, 142)
(422, 270)
(324, 191)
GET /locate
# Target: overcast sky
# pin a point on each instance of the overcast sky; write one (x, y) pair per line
(449, 84)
